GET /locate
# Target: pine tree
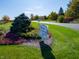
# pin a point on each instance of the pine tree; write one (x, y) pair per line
(61, 12)
(20, 24)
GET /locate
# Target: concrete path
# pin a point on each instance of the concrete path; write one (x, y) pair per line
(69, 25)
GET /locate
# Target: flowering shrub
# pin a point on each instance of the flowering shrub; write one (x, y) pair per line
(12, 36)
(5, 42)
(19, 41)
(11, 42)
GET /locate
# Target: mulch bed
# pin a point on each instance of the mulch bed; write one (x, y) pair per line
(25, 42)
(36, 43)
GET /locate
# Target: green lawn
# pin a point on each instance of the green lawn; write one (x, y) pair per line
(5, 27)
(65, 45)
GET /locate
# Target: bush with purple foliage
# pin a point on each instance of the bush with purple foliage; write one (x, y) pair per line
(12, 36)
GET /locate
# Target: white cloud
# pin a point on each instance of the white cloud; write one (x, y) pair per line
(36, 10)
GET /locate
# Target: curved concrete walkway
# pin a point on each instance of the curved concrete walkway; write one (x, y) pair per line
(69, 25)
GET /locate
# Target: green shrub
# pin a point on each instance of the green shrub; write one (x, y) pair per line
(1, 32)
(31, 35)
(60, 19)
(1, 35)
(20, 24)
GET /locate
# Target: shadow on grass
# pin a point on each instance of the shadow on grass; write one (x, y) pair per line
(46, 51)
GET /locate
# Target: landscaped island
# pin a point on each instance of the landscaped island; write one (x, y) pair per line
(65, 44)
(23, 33)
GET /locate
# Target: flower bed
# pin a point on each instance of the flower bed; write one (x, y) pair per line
(5, 42)
(12, 36)
(11, 42)
(36, 42)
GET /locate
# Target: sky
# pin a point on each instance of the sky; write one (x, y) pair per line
(13, 8)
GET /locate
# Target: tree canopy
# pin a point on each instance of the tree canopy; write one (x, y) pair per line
(53, 16)
(73, 9)
(5, 19)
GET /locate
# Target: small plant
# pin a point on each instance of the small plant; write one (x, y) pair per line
(1, 33)
(31, 35)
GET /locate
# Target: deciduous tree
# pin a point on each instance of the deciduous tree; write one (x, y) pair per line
(53, 16)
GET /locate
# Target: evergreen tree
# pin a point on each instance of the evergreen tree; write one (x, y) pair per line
(20, 24)
(61, 12)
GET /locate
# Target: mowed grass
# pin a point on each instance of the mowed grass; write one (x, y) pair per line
(65, 45)
(66, 42)
(19, 52)
(5, 27)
